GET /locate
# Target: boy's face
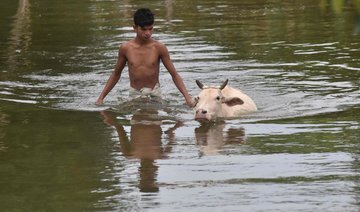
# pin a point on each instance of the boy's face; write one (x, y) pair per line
(144, 32)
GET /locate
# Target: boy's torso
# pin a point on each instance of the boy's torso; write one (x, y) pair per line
(143, 64)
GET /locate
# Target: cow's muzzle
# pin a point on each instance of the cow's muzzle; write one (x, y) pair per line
(201, 115)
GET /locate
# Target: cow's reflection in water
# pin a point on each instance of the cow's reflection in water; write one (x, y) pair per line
(212, 138)
(144, 143)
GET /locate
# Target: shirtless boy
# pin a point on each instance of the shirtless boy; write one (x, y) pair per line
(143, 55)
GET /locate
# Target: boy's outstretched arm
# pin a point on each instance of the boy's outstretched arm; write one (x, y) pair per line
(114, 77)
(165, 58)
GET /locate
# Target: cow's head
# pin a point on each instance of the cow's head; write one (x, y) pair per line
(210, 101)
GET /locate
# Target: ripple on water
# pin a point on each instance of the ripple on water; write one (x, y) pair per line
(281, 89)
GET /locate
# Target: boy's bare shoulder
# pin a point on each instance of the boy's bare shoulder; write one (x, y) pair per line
(160, 47)
(159, 44)
(127, 44)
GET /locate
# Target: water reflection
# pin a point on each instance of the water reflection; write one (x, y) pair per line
(211, 139)
(144, 143)
(169, 9)
(300, 64)
(20, 36)
(338, 7)
(3, 122)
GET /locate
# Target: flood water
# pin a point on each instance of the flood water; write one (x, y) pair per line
(298, 60)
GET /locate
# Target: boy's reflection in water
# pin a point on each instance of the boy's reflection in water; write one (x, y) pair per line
(144, 143)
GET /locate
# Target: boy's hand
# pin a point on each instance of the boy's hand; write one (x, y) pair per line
(99, 102)
(191, 102)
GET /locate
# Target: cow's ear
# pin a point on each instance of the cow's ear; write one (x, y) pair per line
(233, 101)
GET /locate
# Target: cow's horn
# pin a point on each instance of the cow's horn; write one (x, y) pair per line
(224, 84)
(199, 84)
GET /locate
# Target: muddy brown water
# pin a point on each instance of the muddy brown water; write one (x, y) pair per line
(298, 60)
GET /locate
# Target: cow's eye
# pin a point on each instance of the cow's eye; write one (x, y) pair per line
(218, 98)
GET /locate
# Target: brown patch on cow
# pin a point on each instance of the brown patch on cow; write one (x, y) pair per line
(234, 101)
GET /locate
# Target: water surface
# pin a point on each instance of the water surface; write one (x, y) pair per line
(298, 61)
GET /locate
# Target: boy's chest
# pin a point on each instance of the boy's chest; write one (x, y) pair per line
(143, 56)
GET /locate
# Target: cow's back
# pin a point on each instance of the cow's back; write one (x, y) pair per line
(249, 105)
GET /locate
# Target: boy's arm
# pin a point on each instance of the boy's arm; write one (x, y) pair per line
(114, 77)
(165, 58)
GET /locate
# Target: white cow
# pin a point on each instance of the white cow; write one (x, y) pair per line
(221, 102)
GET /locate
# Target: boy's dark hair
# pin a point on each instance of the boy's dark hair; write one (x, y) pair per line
(143, 17)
